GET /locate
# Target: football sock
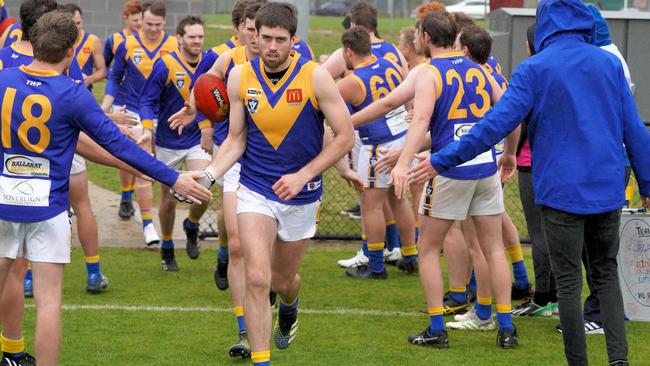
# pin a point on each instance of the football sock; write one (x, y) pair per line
(127, 193)
(239, 313)
(92, 264)
(147, 219)
(518, 266)
(289, 307)
(191, 223)
(364, 245)
(417, 231)
(472, 282)
(458, 294)
(392, 235)
(222, 254)
(409, 253)
(436, 320)
(376, 257)
(12, 348)
(504, 317)
(28, 275)
(262, 358)
(167, 242)
(483, 307)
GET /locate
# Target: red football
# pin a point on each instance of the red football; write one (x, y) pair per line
(8, 22)
(211, 97)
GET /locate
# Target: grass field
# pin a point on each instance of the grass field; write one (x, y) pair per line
(149, 317)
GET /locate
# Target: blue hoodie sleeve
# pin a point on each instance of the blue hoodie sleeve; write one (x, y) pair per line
(497, 123)
(117, 71)
(108, 50)
(636, 138)
(153, 89)
(93, 121)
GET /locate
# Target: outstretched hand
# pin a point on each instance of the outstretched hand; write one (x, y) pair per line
(193, 187)
(182, 118)
(388, 160)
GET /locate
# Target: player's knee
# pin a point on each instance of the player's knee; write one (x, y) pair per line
(283, 283)
(258, 281)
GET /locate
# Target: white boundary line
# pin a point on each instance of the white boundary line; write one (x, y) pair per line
(182, 309)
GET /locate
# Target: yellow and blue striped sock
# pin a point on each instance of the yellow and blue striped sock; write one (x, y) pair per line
(191, 223)
(28, 275)
(458, 294)
(376, 257)
(518, 266)
(472, 282)
(364, 245)
(409, 252)
(241, 323)
(417, 231)
(167, 241)
(504, 316)
(262, 358)
(436, 320)
(14, 348)
(147, 219)
(222, 252)
(92, 264)
(392, 235)
(483, 307)
(127, 194)
(293, 305)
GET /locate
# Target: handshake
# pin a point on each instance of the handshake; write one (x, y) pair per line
(204, 178)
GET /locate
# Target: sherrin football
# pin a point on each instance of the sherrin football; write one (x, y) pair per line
(211, 97)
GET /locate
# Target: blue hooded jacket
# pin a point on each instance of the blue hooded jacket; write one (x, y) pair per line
(581, 111)
(601, 30)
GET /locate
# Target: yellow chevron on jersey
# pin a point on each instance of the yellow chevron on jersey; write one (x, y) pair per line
(275, 114)
(143, 55)
(178, 73)
(119, 37)
(237, 56)
(84, 47)
(232, 43)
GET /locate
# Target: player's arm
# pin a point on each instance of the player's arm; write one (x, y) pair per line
(187, 114)
(403, 62)
(338, 117)
(115, 77)
(335, 64)
(91, 119)
(108, 51)
(508, 162)
(235, 144)
(99, 63)
(350, 90)
(89, 149)
(342, 166)
(399, 96)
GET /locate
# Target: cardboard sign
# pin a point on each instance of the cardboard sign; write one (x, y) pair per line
(634, 265)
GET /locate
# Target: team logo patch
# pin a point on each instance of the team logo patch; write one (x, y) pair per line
(294, 96)
(252, 92)
(252, 105)
(461, 129)
(26, 166)
(24, 192)
(137, 56)
(180, 79)
(86, 50)
(312, 186)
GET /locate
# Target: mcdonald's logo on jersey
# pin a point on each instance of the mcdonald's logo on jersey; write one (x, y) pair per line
(294, 96)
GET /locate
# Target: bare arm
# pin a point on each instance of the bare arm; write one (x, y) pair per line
(100, 64)
(508, 161)
(338, 117)
(90, 150)
(350, 90)
(335, 64)
(235, 144)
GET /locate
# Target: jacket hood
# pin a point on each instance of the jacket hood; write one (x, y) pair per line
(601, 30)
(562, 16)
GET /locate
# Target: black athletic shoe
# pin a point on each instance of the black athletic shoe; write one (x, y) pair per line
(451, 306)
(193, 245)
(410, 267)
(168, 260)
(440, 340)
(25, 360)
(365, 272)
(221, 275)
(241, 349)
(126, 210)
(619, 363)
(272, 298)
(285, 328)
(507, 338)
(352, 212)
(523, 294)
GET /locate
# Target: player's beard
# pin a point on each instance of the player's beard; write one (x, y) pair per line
(275, 64)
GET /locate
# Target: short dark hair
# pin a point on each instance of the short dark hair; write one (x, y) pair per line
(478, 42)
(70, 8)
(277, 15)
(52, 36)
(252, 8)
(187, 21)
(237, 14)
(530, 37)
(31, 11)
(440, 28)
(462, 20)
(155, 7)
(357, 39)
(364, 14)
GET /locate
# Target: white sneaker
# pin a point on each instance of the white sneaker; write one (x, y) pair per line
(358, 260)
(392, 256)
(150, 235)
(463, 317)
(472, 322)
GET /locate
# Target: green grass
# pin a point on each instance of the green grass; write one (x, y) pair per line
(113, 337)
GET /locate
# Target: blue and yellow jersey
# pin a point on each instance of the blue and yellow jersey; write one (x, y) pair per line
(13, 57)
(134, 60)
(464, 95)
(237, 56)
(11, 35)
(3, 11)
(166, 91)
(233, 42)
(42, 115)
(383, 49)
(503, 83)
(303, 49)
(83, 51)
(494, 65)
(377, 78)
(110, 47)
(285, 128)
